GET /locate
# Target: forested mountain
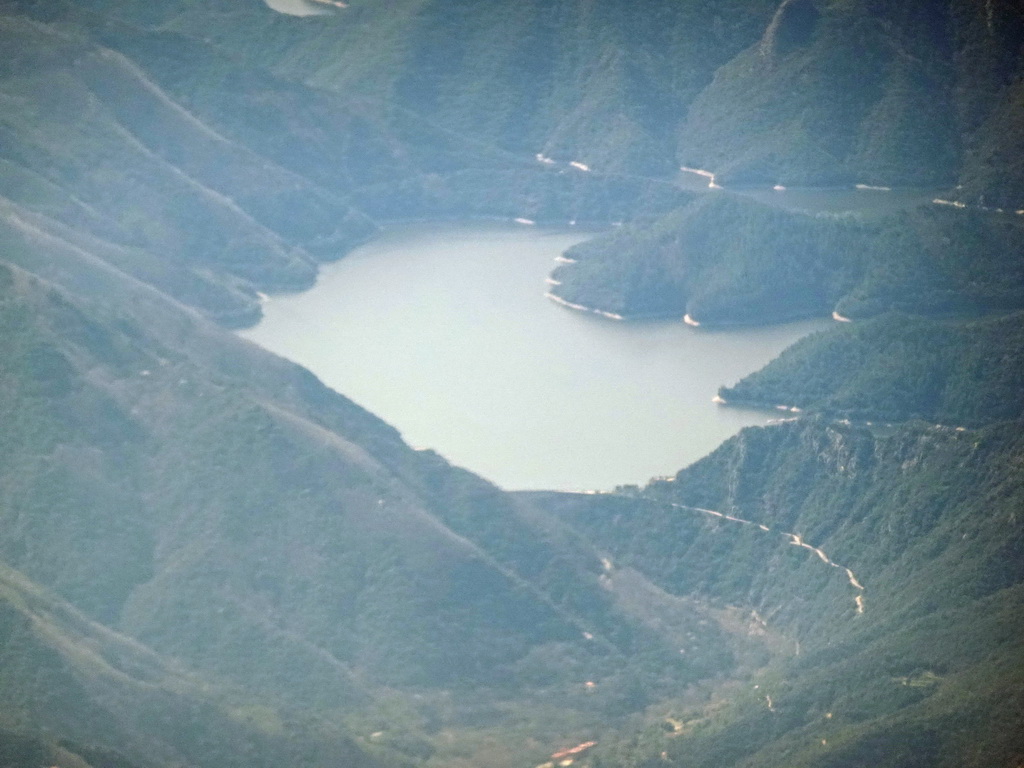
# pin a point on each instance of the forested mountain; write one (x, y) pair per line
(211, 181)
(83, 685)
(725, 259)
(910, 657)
(890, 93)
(601, 84)
(220, 505)
(209, 558)
(898, 367)
(805, 91)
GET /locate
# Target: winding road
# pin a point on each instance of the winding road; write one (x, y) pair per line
(795, 539)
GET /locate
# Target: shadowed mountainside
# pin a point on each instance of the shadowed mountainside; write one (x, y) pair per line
(725, 259)
(896, 368)
(899, 660)
(210, 558)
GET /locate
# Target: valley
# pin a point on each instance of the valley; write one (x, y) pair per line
(211, 555)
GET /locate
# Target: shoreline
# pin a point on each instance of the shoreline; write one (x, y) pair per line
(713, 326)
(263, 293)
(581, 308)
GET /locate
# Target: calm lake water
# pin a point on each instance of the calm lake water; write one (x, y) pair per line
(444, 332)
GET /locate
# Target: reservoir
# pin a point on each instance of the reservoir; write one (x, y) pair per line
(444, 332)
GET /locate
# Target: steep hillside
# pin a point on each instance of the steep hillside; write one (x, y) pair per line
(725, 259)
(96, 154)
(224, 508)
(803, 91)
(898, 367)
(210, 558)
(901, 597)
(92, 691)
(600, 84)
(860, 93)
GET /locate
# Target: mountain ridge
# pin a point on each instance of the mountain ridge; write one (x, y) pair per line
(346, 599)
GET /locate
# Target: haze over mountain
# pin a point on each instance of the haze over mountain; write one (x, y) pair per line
(209, 558)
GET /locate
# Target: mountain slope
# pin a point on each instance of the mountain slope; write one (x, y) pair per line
(163, 483)
(602, 85)
(224, 508)
(896, 368)
(213, 181)
(921, 633)
(801, 91)
(859, 92)
(78, 682)
(168, 197)
(724, 259)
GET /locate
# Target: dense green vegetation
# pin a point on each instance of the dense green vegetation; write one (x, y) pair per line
(720, 259)
(793, 92)
(120, 704)
(275, 536)
(210, 559)
(889, 93)
(928, 520)
(173, 163)
(604, 85)
(247, 184)
(725, 259)
(896, 368)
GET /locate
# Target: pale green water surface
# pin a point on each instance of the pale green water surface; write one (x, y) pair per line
(444, 332)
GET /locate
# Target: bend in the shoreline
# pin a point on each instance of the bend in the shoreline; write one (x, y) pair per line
(583, 308)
